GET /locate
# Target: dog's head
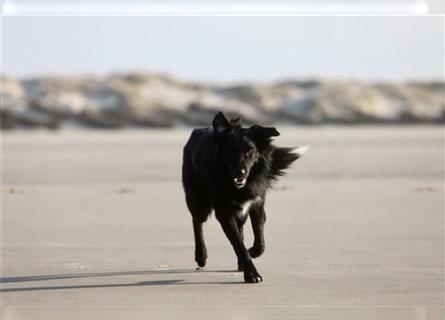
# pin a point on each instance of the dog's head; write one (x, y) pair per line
(239, 148)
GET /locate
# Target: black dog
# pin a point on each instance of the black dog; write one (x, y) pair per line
(228, 168)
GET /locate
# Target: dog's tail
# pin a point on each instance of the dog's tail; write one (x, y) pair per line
(282, 158)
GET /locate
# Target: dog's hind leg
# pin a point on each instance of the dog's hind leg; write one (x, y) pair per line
(200, 247)
(258, 218)
(198, 206)
(200, 211)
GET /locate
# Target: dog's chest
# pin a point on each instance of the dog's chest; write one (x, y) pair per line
(245, 206)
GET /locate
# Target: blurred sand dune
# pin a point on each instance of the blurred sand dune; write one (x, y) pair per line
(153, 100)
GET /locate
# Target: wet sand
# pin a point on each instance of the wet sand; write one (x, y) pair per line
(98, 218)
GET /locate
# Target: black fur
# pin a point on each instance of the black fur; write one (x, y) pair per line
(225, 167)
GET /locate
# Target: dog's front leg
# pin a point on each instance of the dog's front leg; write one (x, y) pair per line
(241, 220)
(258, 218)
(230, 227)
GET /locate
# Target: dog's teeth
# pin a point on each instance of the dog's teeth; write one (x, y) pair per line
(301, 150)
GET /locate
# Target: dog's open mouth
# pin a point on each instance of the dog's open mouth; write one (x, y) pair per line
(240, 181)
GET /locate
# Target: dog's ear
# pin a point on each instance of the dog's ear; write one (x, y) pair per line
(269, 132)
(220, 123)
(262, 136)
(263, 132)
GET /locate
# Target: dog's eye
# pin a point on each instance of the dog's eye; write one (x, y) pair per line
(249, 153)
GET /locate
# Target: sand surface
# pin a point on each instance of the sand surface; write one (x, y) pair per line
(98, 218)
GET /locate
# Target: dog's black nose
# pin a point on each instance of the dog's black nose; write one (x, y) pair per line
(240, 172)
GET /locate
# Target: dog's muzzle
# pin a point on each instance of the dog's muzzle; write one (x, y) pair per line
(240, 178)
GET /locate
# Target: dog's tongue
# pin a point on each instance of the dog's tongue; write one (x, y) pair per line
(239, 179)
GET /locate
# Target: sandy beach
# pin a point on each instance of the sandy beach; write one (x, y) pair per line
(98, 218)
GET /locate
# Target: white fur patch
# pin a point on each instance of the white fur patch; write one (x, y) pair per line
(246, 205)
(300, 151)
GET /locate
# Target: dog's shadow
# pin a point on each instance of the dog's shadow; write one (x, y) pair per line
(19, 279)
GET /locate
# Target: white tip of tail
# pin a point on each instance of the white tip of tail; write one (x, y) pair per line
(300, 151)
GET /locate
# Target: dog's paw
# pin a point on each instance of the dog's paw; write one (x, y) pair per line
(252, 277)
(201, 260)
(256, 251)
(201, 263)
